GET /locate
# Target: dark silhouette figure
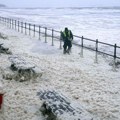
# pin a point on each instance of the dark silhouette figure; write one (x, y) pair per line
(67, 38)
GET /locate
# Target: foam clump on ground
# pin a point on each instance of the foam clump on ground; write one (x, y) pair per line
(21, 70)
(57, 107)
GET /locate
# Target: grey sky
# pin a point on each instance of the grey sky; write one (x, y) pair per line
(60, 3)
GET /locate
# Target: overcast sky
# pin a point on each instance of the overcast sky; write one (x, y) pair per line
(60, 3)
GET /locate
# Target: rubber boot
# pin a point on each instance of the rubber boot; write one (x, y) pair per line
(69, 50)
(64, 51)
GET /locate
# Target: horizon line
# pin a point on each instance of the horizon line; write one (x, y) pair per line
(63, 7)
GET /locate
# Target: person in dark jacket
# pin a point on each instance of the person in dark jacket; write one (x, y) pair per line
(67, 38)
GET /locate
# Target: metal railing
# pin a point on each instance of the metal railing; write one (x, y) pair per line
(55, 35)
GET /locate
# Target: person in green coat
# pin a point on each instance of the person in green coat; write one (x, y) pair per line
(67, 38)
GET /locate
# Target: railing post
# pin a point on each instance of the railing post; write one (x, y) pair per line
(34, 30)
(25, 29)
(52, 37)
(60, 42)
(18, 26)
(82, 41)
(12, 23)
(45, 35)
(21, 27)
(7, 22)
(96, 45)
(15, 24)
(96, 49)
(29, 28)
(114, 65)
(39, 31)
(115, 46)
(81, 53)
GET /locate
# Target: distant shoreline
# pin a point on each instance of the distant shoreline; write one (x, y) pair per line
(105, 7)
